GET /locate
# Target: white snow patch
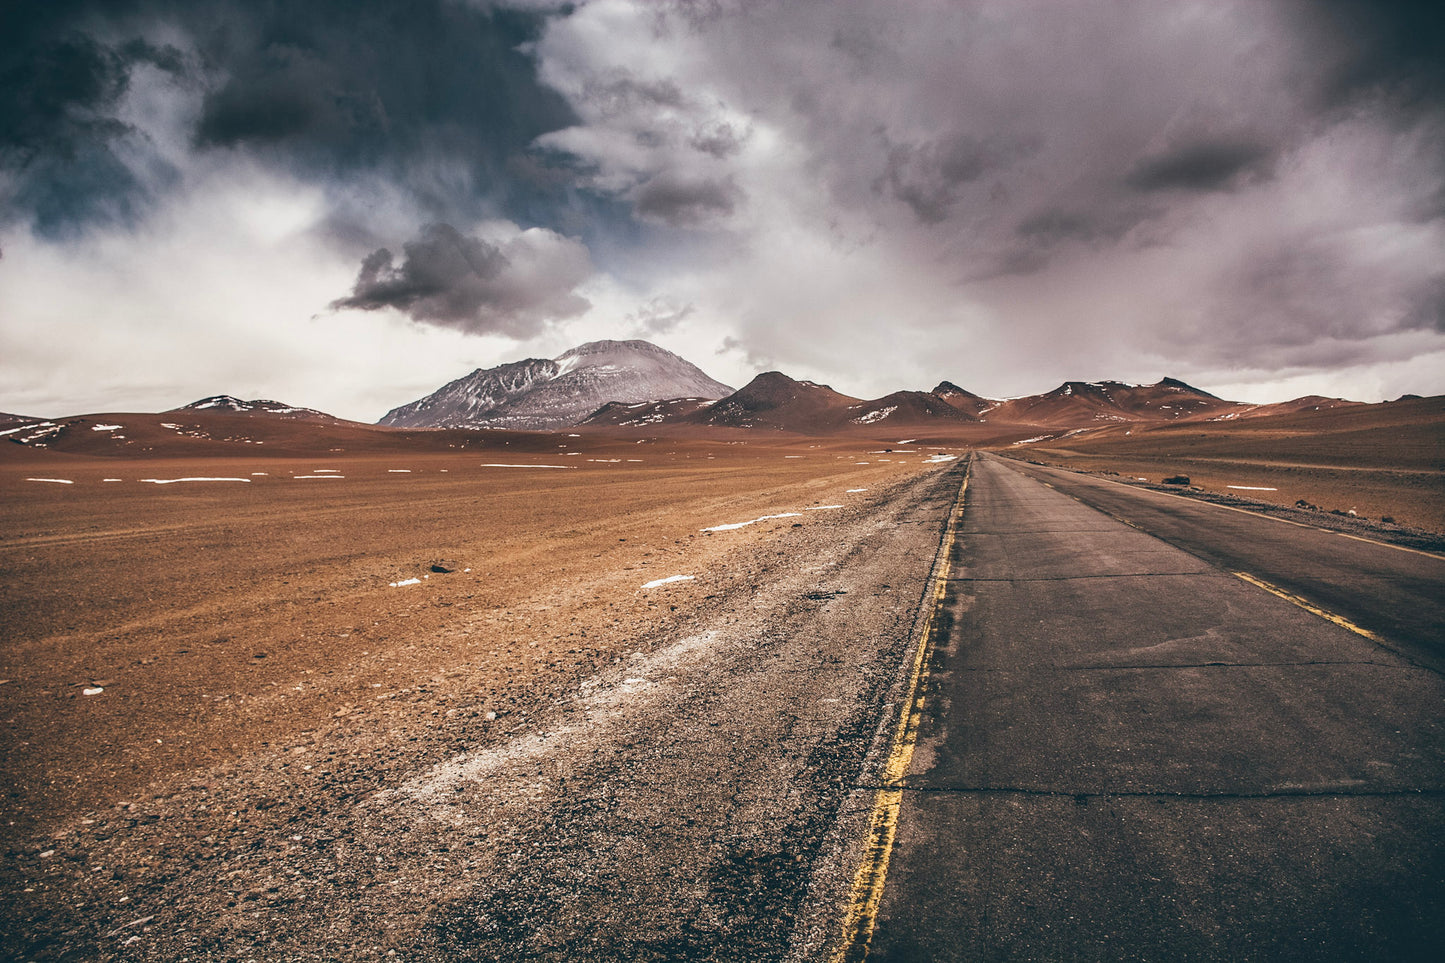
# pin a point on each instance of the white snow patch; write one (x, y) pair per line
(406, 581)
(106, 427)
(736, 525)
(820, 508)
(1029, 441)
(110, 479)
(327, 471)
(939, 459)
(398, 471)
(873, 416)
(905, 441)
(1251, 488)
(340, 477)
(92, 690)
(172, 481)
(167, 424)
(852, 491)
(668, 581)
(58, 481)
(490, 465)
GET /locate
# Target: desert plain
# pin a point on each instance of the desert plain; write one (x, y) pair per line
(206, 685)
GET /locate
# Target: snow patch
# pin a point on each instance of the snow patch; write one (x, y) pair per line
(406, 581)
(106, 427)
(852, 491)
(822, 508)
(340, 477)
(669, 580)
(492, 465)
(172, 481)
(877, 415)
(732, 526)
(1251, 488)
(58, 481)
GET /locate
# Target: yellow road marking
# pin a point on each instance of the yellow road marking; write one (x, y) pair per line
(1309, 607)
(868, 883)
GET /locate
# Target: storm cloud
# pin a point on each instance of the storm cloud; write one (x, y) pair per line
(446, 278)
(432, 96)
(1001, 193)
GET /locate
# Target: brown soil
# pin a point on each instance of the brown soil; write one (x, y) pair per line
(222, 619)
(1377, 460)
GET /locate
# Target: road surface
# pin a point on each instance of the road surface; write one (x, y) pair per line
(1128, 750)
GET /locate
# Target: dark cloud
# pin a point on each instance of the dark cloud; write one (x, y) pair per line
(1382, 47)
(929, 177)
(446, 278)
(60, 140)
(1205, 166)
(680, 201)
(718, 139)
(325, 89)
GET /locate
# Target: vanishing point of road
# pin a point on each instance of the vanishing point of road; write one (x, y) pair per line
(1159, 729)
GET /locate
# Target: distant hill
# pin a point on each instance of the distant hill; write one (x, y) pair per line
(229, 403)
(773, 400)
(965, 401)
(1076, 404)
(541, 394)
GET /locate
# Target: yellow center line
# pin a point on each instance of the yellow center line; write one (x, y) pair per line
(1310, 607)
(868, 883)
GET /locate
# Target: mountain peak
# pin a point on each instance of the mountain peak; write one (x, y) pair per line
(541, 394)
(263, 406)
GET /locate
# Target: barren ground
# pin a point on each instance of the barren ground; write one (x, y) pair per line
(256, 663)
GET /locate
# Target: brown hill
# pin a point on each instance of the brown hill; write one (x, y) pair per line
(773, 400)
(617, 414)
(962, 399)
(1083, 404)
(261, 407)
(901, 408)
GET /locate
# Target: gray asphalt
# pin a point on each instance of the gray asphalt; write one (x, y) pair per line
(1127, 752)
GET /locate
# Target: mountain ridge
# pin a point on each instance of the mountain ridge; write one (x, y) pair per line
(544, 394)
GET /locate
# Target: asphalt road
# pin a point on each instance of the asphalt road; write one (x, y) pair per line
(1127, 751)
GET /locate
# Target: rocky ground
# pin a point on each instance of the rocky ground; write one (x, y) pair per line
(528, 755)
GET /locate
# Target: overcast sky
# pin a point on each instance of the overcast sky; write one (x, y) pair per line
(344, 204)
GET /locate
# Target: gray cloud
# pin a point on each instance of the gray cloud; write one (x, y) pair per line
(1204, 166)
(446, 278)
(433, 96)
(680, 201)
(929, 177)
(659, 316)
(70, 159)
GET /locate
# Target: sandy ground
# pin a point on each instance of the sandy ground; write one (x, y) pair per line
(159, 639)
(1378, 461)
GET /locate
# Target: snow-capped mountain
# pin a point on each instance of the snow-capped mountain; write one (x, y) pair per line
(223, 404)
(540, 394)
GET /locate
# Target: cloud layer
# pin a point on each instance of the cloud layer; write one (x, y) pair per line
(1004, 193)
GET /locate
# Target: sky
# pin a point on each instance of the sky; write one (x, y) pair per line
(344, 204)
